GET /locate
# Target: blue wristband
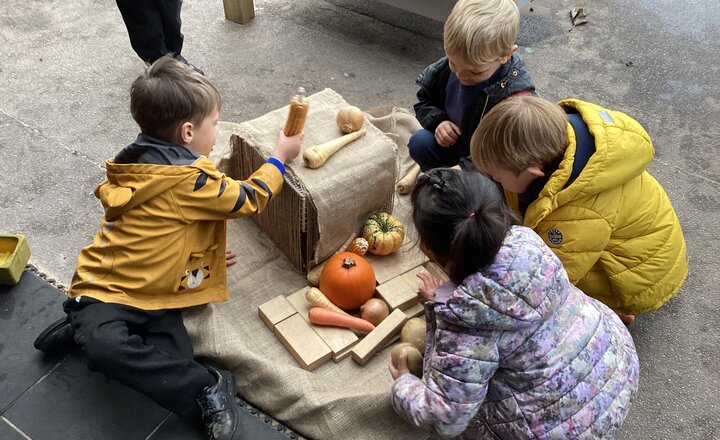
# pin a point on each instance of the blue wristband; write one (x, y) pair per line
(275, 161)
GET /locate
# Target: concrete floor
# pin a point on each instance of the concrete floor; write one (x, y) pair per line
(66, 67)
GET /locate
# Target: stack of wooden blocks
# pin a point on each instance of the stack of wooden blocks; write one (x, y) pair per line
(313, 345)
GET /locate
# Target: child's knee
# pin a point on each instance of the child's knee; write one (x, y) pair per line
(101, 346)
(422, 139)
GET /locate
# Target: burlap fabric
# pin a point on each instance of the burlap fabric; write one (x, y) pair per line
(337, 401)
(318, 208)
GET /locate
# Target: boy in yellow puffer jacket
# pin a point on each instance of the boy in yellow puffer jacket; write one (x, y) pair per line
(576, 172)
(161, 248)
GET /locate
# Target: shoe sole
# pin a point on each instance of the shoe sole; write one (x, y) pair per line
(52, 328)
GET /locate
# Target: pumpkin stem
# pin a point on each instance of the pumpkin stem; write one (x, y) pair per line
(348, 263)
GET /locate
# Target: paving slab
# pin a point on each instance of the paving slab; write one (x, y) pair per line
(73, 402)
(7, 432)
(25, 310)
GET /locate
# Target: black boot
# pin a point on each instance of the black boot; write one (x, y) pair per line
(218, 406)
(57, 339)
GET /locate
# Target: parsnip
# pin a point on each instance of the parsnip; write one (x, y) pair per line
(407, 183)
(318, 299)
(316, 156)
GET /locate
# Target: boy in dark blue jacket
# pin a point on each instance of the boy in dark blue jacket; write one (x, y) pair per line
(480, 70)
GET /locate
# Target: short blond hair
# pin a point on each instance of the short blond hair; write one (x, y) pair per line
(481, 31)
(520, 132)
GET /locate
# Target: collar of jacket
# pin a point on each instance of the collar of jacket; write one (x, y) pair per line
(623, 151)
(513, 77)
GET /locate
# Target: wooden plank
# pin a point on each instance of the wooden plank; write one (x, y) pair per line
(275, 311)
(239, 11)
(388, 267)
(379, 337)
(308, 349)
(338, 339)
(401, 292)
(436, 271)
(415, 310)
(337, 357)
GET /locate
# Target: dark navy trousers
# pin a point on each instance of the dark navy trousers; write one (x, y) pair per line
(147, 350)
(153, 27)
(425, 150)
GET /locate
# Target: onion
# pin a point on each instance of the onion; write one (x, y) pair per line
(414, 331)
(350, 119)
(374, 311)
(414, 358)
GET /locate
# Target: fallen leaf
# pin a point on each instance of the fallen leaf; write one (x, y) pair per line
(578, 17)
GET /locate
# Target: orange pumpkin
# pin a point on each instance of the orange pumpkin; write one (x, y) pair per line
(347, 280)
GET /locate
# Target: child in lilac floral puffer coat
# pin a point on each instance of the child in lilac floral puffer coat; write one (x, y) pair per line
(513, 351)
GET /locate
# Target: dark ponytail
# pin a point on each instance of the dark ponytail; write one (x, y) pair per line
(461, 215)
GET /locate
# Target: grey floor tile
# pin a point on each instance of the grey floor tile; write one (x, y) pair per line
(75, 403)
(7, 432)
(25, 310)
(175, 428)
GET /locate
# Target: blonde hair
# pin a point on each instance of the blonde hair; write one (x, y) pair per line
(168, 94)
(518, 133)
(481, 31)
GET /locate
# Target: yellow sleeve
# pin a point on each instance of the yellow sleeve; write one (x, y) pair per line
(211, 195)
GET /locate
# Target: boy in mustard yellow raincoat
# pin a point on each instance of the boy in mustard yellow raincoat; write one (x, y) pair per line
(161, 248)
(577, 174)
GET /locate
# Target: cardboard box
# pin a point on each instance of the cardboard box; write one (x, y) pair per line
(317, 209)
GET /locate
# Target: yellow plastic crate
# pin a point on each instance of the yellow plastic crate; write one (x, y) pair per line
(14, 255)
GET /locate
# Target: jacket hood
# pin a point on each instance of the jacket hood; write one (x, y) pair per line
(524, 284)
(144, 169)
(623, 151)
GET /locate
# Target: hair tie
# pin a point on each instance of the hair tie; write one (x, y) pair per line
(472, 213)
(437, 182)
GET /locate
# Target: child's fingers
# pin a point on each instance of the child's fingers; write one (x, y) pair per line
(230, 258)
(455, 130)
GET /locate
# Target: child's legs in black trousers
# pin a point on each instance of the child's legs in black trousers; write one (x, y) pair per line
(149, 351)
(153, 27)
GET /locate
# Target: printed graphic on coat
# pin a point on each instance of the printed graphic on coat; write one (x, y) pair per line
(195, 273)
(555, 236)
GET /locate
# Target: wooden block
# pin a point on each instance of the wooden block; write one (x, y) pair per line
(376, 339)
(436, 271)
(401, 292)
(337, 357)
(338, 339)
(308, 349)
(275, 311)
(239, 11)
(415, 310)
(389, 266)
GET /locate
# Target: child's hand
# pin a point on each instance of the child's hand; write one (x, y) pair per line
(287, 148)
(429, 284)
(230, 258)
(447, 133)
(401, 368)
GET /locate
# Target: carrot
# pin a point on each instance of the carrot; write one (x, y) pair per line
(318, 299)
(321, 316)
(315, 156)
